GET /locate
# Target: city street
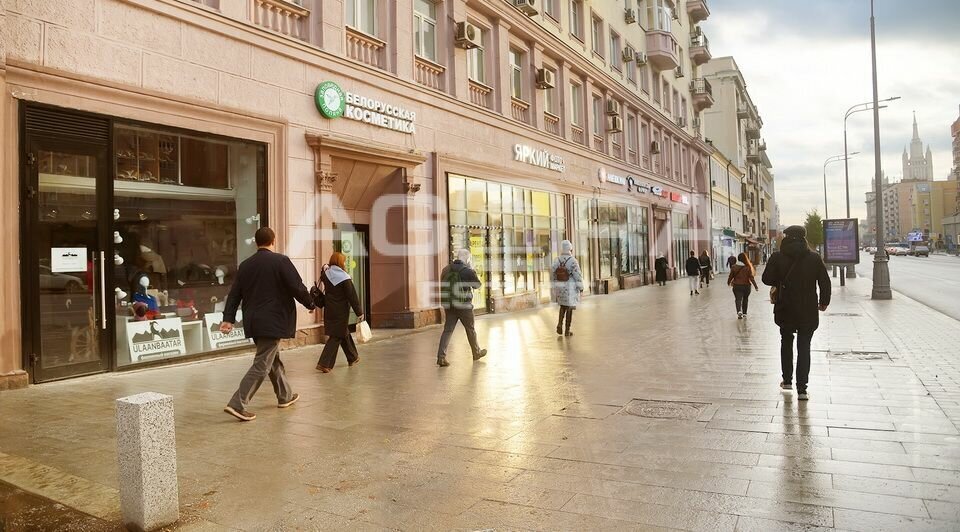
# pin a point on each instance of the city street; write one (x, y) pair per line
(933, 281)
(662, 412)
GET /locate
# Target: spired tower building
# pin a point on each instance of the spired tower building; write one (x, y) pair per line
(918, 166)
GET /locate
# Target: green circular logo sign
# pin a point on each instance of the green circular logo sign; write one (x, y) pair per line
(331, 101)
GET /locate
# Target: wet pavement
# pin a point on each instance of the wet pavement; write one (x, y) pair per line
(661, 412)
(23, 511)
(933, 281)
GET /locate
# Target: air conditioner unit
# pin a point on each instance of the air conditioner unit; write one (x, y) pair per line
(697, 123)
(681, 121)
(675, 13)
(546, 79)
(529, 7)
(468, 36)
(629, 15)
(627, 55)
(678, 72)
(613, 108)
(654, 147)
(614, 124)
(640, 58)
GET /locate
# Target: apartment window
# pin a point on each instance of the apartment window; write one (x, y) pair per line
(551, 8)
(656, 88)
(598, 115)
(631, 67)
(576, 18)
(659, 15)
(645, 140)
(598, 36)
(683, 108)
(676, 103)
(576, 104)
(516, 74)
(475, 62)
(425, 28)
(644, 78)
(615, 58)
(550, 103)
(667, 103)
(632, 133)
(361, 15)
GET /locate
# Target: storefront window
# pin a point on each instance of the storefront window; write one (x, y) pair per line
(681, 238)
(621, 238)
(185, 210)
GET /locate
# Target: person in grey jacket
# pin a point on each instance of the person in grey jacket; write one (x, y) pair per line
(567, 287)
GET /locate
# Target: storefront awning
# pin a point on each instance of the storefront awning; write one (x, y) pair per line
(729, 232)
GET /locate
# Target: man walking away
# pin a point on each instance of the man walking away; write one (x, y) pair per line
(693, 272)
(796, 273)
(267, 283)
(706, 268)
(457, 283)
(567, 285)
(660, 265)
(741, 277)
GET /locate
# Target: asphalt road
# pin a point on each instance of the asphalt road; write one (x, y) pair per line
(933, 281)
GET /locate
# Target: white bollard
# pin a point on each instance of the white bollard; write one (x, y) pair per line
(147, 459)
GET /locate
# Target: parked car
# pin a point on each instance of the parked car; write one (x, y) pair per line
(871, 250)
(920, 251)
(60, 282)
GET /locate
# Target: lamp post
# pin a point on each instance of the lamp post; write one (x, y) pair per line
(881, 266)
(866, 106)
(834, 159)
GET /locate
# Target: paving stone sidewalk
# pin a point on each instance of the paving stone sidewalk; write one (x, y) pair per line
(662, 412)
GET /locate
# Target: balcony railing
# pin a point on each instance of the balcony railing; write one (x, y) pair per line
(519, 110)
(699, 48)
(701, 93)
(752, 128)
(282, 16)
(662, 50)
(617, 150)
(698, 10)
(598, 143)
(480, 94)
(364, 48)
(551, 122)
(632, 156)
(576, 132)
(428, 73)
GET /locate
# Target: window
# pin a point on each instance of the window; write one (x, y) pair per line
(550, 103)
(656, 88)
(425, 29)
(645, 141)
(615, 59)
(644, 79)
(598, 36)
(516, 74)
(551, 8)
(475, 61)
(659, 15)
(631, 67)
(361, 15)
(576, 104)
(597, 115)
(576, 19)
(676, 103)
(632, 134)
(667, 103)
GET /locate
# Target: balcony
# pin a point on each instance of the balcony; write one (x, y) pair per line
(743, 110)
(551, 123)
(755, 151)
(598, 144)
(752, 128)
(480, 94)
(698, 10)
(662, 50)
(701, 94)
(699, 48)
(366, 49)
(520, 110)
(576, 132)
(428, 73)
(282, 16)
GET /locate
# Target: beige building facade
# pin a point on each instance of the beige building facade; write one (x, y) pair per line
(145, 141)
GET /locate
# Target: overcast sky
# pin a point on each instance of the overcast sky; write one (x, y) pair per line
(806, 62)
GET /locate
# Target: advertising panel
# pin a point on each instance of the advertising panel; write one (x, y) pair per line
(841, 241)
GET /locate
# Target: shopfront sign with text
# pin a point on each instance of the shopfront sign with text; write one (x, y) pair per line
(333, 102)
(538, 157)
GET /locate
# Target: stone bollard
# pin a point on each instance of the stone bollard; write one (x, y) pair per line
(147, 459)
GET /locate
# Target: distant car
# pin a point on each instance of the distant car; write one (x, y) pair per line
(891, 249)
(920, 251)
(59, 282)
(871, 250)
(902, 250)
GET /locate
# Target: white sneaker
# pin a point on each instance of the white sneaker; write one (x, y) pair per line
(739, 315)
(802, 396)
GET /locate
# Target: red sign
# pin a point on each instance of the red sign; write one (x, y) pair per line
(676, 197)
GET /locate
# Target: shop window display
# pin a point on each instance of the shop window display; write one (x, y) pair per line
(186, 208)
(617, 244)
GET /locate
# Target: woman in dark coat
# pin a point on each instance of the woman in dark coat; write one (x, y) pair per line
(660, 265)
(340, 297)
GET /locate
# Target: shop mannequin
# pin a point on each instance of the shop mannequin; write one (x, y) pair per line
(141, 295)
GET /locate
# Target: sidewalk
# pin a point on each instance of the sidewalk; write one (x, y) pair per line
(662, 412)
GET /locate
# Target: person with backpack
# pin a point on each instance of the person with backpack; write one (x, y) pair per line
(741, 277)
(796, 273)
(457, 283)
(340, 296)
(706, 268)
(567, 284)
(693, 272)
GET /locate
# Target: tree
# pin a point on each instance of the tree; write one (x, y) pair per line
(814, 227)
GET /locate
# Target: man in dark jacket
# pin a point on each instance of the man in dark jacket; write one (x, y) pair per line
(693, 272)
(457, 283)
(796, 272)
(267, 283)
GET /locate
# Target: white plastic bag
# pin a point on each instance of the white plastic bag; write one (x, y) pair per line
(364, 334)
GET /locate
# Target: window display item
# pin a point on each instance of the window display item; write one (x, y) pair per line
(140, 311)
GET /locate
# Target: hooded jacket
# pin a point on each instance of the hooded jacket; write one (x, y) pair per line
(798, 300)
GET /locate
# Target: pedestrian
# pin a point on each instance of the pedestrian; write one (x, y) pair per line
(693, 272)
(340, 296)
(567, 285)
(706, 268)
(741, 277)
(731, 260)
(457, 283)
(797, 273)
(660, 265)
(266, 284)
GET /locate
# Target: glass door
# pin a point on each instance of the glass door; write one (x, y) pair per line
(478, 247)
(353, 244)
(65, 321)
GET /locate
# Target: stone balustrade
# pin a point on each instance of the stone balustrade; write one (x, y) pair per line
(281, 16)
(366, 49)
(428, 73)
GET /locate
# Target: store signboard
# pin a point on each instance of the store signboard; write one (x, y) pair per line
(841, 241)
(152, 338)
(64, 260)
(915, 236)
(538, 157)
(218, 340)
(334, 102)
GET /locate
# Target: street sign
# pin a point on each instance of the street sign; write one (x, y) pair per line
(841, 241)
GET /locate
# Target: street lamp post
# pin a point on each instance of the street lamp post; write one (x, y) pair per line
(881, 267)
(834, 159)
(866, 106)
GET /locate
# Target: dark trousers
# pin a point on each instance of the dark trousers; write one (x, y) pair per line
(329, 355)
(741, 295)
(568, 312)
(265, 362)
(452, 316)
(705, 276)
(803, 355)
